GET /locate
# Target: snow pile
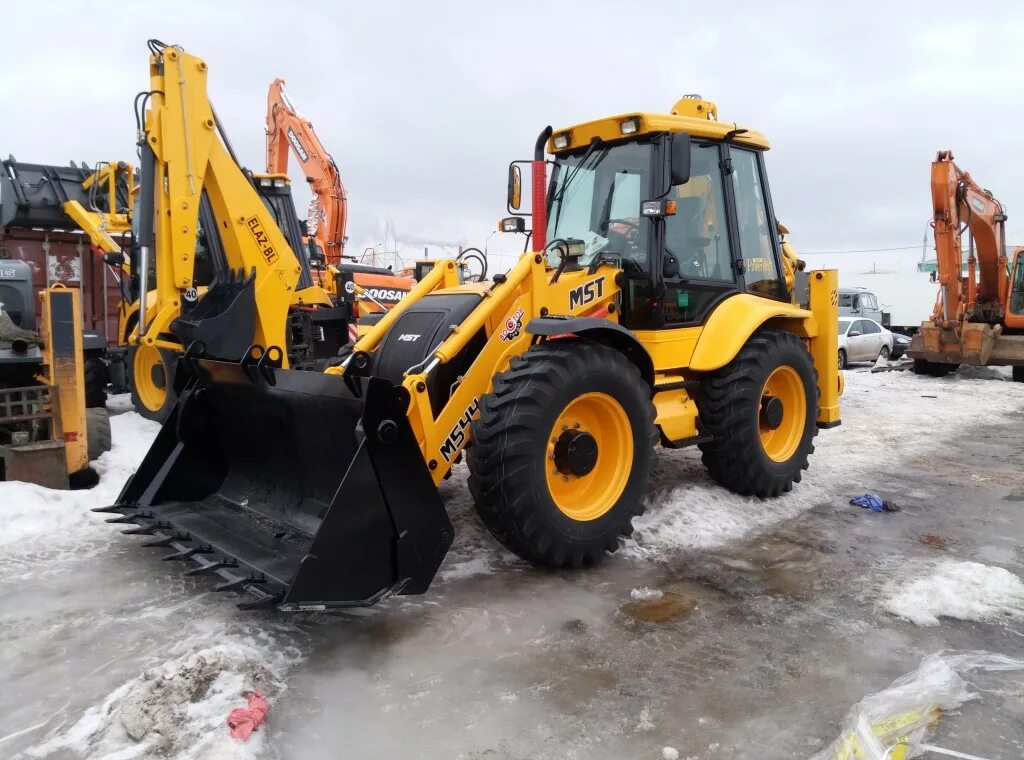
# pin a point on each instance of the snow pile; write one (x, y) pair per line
(962, 590)
(31, 512)
(178, 709)
(882, 414)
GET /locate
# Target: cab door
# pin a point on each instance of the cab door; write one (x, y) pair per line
(754, 223)
(698, 251)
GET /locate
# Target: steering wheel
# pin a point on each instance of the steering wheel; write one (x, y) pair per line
(631, 226)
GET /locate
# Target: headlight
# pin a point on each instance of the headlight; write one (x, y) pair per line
(561, 141)
(629, 126)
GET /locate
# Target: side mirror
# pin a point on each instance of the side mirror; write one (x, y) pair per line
(515, 187)
(670, 267)
(853, 333)
(317, 259)
(680, 158)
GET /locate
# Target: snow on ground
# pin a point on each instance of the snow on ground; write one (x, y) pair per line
(887, 417)
(37, 519)
(178, 709)
(962, 590)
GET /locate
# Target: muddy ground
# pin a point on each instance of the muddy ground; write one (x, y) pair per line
(762, 639)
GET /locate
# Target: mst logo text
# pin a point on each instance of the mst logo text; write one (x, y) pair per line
(260, 236)
(586, 293)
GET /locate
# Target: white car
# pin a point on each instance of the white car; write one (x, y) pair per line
(862, 340)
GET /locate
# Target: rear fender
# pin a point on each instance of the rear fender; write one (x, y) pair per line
(736, 319)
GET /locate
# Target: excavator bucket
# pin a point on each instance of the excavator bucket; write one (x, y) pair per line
(307, 490)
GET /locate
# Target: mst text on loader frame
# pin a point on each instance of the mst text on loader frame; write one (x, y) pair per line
(661, 310)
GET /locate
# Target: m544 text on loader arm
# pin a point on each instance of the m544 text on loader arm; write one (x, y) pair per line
(660, 311)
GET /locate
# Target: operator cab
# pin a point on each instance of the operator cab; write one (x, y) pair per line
(707, 229)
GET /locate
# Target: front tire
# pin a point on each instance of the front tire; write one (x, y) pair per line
(152, 381)
(761, 411)
(884, 353)
(561, 453)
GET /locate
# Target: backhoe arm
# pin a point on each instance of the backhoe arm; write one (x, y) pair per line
(286, 130)
(957, 200)
(186, 165)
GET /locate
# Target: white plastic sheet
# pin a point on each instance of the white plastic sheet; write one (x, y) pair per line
(892, 724)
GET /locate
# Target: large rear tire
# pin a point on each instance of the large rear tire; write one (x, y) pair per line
(97, 431)
(561, 453)
(761, 411)
(96, 377)
(933, 369)
(152, 381)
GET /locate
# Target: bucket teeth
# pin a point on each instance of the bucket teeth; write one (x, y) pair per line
(130, 517)
(114, 508)
(265, 600)
(212, 567)
(162, 541)
(186, 553)
(146, 530)
(237, 584)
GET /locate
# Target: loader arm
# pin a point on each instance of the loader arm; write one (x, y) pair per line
(287, 131)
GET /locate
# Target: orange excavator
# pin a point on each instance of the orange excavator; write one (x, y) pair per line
(978, 317)
(328, 211)
(369, 290)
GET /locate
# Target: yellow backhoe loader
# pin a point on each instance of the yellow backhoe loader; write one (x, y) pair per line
(662, 309)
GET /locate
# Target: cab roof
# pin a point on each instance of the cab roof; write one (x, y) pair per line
(691, 114)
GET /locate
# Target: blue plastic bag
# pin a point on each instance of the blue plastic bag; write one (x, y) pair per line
(871, 501)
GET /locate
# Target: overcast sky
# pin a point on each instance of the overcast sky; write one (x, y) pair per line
(424, 104)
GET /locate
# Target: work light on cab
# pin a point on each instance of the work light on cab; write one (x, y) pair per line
(656, 209)
(512, 224)
(629, 126)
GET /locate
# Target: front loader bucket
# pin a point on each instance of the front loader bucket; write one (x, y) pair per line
(308, 490)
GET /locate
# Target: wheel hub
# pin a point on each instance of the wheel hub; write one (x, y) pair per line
(771, 413)
(575, 453)
(156, 374)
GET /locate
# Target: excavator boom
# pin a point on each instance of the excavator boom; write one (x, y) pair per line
(287, 131)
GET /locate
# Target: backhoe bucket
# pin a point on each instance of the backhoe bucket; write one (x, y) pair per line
(308, 490)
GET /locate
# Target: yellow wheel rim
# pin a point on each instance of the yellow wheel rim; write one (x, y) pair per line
(149, 374)
(780, 438)
(584, 486)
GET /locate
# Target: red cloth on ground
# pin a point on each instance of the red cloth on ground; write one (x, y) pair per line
(244, 720)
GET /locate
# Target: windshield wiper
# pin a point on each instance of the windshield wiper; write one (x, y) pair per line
(557, 199)
(594, 145)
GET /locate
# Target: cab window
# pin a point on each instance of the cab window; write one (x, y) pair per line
(1017, 289)
(697, 235)
(756, 230)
